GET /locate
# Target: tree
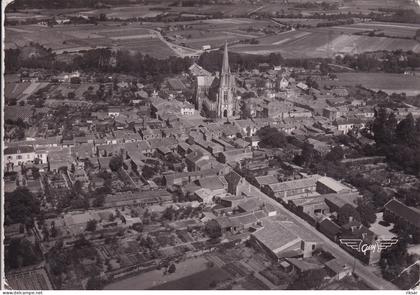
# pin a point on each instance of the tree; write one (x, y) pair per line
(308, 280)
(271, 137)
(21, 206)
(406, 130)
(35, 172)
(20, 253)
(213, 229)
(345, 212)
(94, 283)
(366, 212)
(91, 225)
(394, 260)
(335, 155)
(116, 163)
(172, 268)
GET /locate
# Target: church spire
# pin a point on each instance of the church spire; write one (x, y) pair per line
(225, 64)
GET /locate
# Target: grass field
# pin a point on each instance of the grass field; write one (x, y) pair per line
(215, 32)
(82, 37)
(323, 42)
(389, 83)
(125, 12)
(198, 281)
(154, 278)
(389, 29)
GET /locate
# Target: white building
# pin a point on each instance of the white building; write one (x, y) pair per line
(17, 156)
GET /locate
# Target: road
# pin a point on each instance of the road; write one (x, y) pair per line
(179, 50)
(361, 270)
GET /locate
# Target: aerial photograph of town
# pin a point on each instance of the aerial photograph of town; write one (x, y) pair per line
(210, 145)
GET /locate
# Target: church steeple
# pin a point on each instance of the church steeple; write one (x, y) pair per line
(225, 97)
(225, 64)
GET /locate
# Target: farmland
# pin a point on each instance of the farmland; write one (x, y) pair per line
(324, 42)
(70, 38)
(389, 83)
(21, 91)
(215, 32)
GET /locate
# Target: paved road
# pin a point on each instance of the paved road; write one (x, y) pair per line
(361, 270)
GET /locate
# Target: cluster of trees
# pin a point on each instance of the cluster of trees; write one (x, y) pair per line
(399, 142)
(21, 206)
(271, 137)
(394, 260)
(212, 60)
(390, 62)
(309, 280)
(47, 4)
(397, 15)
(21, 252)
(172, 214)
(98, 60)
(61, 260)
(33, 55)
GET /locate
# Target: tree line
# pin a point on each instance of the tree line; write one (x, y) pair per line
(101, 60)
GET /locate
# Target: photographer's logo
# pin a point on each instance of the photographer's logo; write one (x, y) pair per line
(360, 246)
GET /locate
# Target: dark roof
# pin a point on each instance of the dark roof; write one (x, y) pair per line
(233, 177)
(18, 150)
(400, 209)
(330, 226)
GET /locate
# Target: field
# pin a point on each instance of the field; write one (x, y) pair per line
(215, 32)
(389, 29)
(156, 278)
(198, 281)
(389, 83)
(73, 38)
(324, 42)
(125, 12)
(21, 91)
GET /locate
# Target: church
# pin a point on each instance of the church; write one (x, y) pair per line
(216, 94)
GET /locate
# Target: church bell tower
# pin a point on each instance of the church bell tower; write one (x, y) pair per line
(225, 98)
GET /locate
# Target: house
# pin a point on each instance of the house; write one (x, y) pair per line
(17, 156)
(344, 125)
(253, 140)
(355, 230)
(215, 184)
(235, 155)
(198, 160)
(247, 220)
(278, 240)
(326, 185)
(303, 265)
(234, 182)
(330, 229)
(187, 109)
(397, 212)
(262, 181)
(309, 208)
(204, 195)
(150, 197)
(287, 190)
(179, 178)
(337, 269)
(302, 86)
(196, 70)
(336, 201)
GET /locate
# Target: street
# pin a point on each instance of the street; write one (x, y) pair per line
(361, 270)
